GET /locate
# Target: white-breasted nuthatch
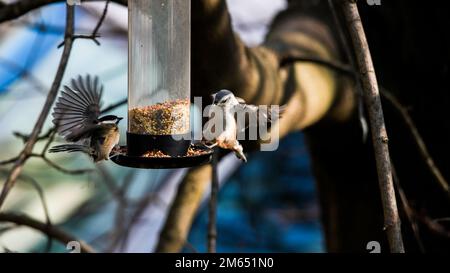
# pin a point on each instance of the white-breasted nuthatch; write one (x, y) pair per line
(232, 107)
(77, 119)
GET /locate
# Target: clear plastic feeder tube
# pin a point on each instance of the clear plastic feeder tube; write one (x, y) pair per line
(159, 71)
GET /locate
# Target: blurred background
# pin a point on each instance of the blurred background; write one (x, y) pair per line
(266, 205)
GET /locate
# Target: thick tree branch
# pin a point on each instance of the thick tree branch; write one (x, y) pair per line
(51, 231)
(28, 149)
(178, 222)
(378, 127)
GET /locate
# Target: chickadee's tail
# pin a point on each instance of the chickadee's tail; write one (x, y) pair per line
(71, 148)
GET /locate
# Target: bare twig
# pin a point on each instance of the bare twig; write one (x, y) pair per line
(30, 180)
(376, 117)
(19, 8)
(46, 28)
(25, 137)
(212, 228)
(409, 211)
(52, 231)
(119, 195)
(122, 205)
(25, 153)
(102, 18)
(41, 195)
(112, 186)
(434, 226)
(9, 161)
(94, 35)
(419, 141)
(114, 106)
(59, 168)
(139, 209)
(50, 140)
(447, 219)
(127, 181)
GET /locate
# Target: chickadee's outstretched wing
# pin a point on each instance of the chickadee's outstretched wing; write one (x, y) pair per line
(78, 108)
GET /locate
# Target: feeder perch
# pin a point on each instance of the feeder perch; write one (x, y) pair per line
(159, 130)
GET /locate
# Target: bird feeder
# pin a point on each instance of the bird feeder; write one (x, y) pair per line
(158, 134)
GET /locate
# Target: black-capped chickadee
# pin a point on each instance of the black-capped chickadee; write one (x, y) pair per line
(77, 119)
(232, 106)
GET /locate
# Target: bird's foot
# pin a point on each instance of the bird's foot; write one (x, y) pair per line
(211, 146)
(116, 150)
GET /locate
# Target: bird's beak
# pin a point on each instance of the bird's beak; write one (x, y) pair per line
(213, 98)
(118, 120)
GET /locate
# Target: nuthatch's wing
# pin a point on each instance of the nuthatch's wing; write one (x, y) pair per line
(78, 108)
(255, 114)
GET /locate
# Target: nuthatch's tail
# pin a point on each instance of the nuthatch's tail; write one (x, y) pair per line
(239, 152)
(71, 148)
(241, 156)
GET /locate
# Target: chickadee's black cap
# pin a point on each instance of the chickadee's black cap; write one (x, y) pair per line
(109, 117)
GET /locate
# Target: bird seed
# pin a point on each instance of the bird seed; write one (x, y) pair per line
(167, 118)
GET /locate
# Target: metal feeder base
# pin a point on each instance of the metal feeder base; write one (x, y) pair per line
(123, 159)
